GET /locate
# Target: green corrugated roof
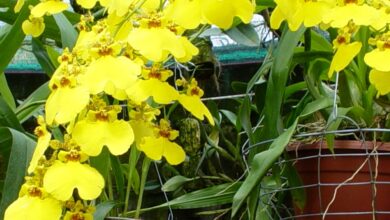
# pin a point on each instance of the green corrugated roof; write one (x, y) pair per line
(25, 61)
(235, 54)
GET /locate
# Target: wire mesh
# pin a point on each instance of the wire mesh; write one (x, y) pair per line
(356, 175)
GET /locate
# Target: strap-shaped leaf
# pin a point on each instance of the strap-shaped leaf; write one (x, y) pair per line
(102, 209)
(21, 150)
(263, 161)
(211, 196)
(244, 34)
(12, 40)
(43, 57)
(6, 93)
(8, 117)
(68, 33)
(33, 103)
(259, 167)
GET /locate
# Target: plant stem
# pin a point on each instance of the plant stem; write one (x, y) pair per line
(110, 190)
(132, 162)
(144, 175)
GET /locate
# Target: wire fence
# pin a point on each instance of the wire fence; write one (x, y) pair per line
(353, 182)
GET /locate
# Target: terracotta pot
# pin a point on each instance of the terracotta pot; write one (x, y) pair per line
(353, 201)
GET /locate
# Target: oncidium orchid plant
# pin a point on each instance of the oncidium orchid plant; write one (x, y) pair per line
(360, 37)
(340, 48)
(109, 91)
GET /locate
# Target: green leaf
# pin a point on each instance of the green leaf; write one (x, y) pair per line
(260, 91)
(276, 84)
(256, 79)
(11, 41)
(244, 34)
(102, 163)
(174, 183)
(319, 42)
(8, 117)
(5, 143)
(102, 209)
(118, 175)
(6, 93)
(260, 8)
(333, 124)
(33, 103)
(213, 108)
(231, 117)
(42, 56)
(252, 202)
(211, 196)
(53, 55)
(268, 185)
(68, 33)
(308, 56)
(4, 29)
(259, 167)
(292, 89)
(21, 151)
(4, 3)
(244, 115)
(316, 105)
(298, 193)
(268, 3)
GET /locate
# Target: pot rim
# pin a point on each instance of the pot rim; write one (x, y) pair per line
(340, 144)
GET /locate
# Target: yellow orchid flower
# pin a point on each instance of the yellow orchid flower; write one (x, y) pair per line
(121, 7)
(340, 16)
(62, 178)
(383, 14)
(118, 7)
(34, 208)
(141, 130)
(48, 7)
(343, 56)
(78, 215)
(190, 13)
(141, 118)
(221, 13)
(379, 57)
(143, 111)
(34, 26)
(161, 92)
(189, 48)
(191, 100)
(42, 144)
(18, 6)
(380, 80)
(108, 131)
(34, 203)
(155, 147)
(157, 43)
(285, 10)
(67, 98)
(153, 85)
(87, 4)
(78, 211)
(345, 51)
(112, 75)
(296, 12)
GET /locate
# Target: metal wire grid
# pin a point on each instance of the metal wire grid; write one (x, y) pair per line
(282, 211)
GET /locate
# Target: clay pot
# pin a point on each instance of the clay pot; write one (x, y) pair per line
(353, 201)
